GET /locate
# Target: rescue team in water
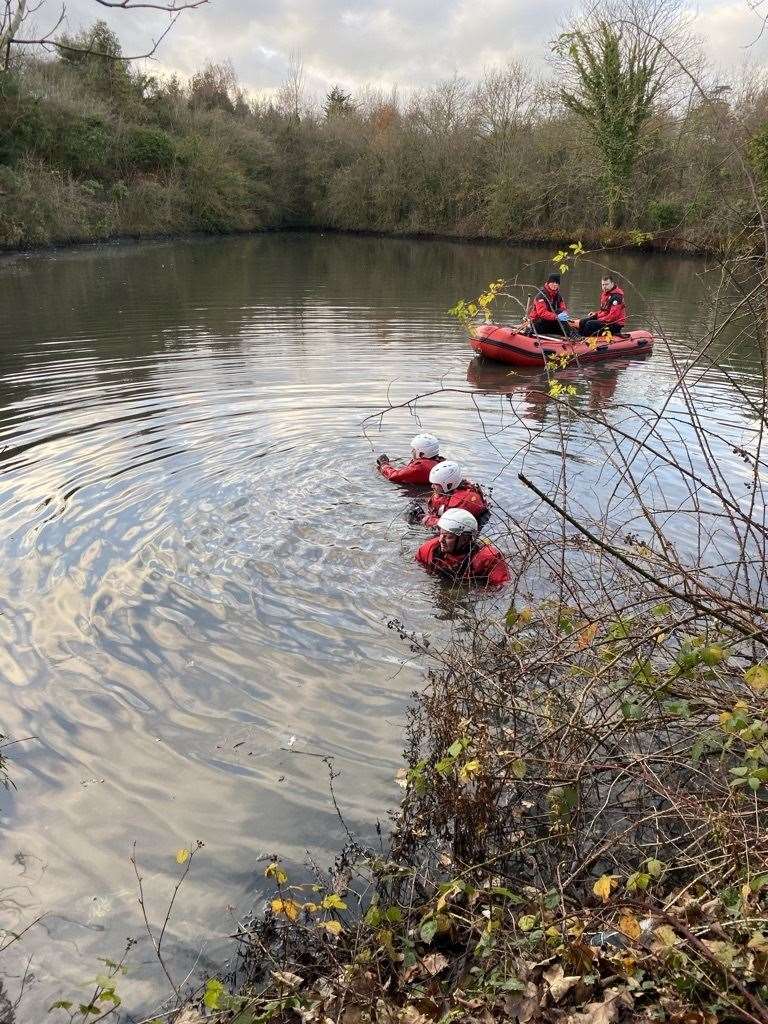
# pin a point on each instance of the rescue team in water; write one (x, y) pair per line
(456, 508)
(548, 313)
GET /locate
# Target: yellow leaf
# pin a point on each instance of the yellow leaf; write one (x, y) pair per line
(469, 769)
(757, 677)
(290, 908)
(333, 902)
(275, 871)
(334, 927)
(604, 886)
(629, 925)
(182, 856)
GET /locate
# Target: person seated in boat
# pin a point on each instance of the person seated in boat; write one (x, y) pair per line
(548, 313)
(458, 554)
(612, 314)
(425, 455)
(451, 490)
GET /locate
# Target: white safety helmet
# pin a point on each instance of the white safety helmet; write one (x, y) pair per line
(425, 446)
(458, 520)
(447, 475)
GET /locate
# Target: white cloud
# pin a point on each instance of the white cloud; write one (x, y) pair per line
(384, 43)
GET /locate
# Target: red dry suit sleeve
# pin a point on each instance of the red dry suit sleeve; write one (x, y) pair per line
(415, 472)
(541, 310)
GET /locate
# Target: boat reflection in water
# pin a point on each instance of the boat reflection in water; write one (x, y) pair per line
(596, 384)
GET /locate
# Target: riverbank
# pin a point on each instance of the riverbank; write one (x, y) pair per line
(89, 154)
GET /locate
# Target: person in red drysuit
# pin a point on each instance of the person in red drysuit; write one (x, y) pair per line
(425, 451)
(612, 314)
(457, 554)
(451, 490)
(548, 313)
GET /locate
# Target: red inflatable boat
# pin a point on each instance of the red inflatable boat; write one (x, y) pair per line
(506, 345)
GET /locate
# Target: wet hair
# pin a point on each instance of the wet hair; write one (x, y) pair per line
(553, 279)
(610, 276)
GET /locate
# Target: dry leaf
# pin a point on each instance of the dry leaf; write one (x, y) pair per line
(434, 963)
(334, 927)
(524, 1007)
(604, 886)
(587, 635)
(757, 677)
(410, 1015)
(559, 983)
(182, 856)
(665, 938)
(286, 979)
(629, 925)
(468, 770)
(606, 1012)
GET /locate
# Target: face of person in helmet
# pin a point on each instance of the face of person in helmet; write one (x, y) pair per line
(552, 287)
(453, 543)
(439, 489)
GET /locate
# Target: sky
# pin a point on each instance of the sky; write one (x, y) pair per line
(380, 43)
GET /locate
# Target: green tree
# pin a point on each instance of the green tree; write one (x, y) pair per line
(614, 70)
(338, 103)
(98, 56)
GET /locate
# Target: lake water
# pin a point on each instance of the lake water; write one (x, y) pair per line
(199, 562)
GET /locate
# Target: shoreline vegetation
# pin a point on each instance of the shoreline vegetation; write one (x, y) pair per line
(93, 150)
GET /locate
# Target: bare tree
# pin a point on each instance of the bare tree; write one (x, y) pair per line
(504, 100)
(291, 97)
(14, 14)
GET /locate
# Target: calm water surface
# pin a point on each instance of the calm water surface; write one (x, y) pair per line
(198, 563)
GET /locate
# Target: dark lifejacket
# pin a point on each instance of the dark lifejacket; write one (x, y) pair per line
(613, 308)
(545, 306)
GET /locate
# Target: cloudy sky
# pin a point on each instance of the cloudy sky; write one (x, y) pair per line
(384, 43)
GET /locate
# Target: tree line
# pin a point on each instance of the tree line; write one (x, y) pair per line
(630, 139)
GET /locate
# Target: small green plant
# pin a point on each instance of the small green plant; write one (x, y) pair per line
(564, 257)
(465, 311)
(103, 1000)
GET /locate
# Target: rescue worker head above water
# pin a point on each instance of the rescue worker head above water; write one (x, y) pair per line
(458, 554)
(445, 477)
(451, 491)
(457, 528)
(425, 455)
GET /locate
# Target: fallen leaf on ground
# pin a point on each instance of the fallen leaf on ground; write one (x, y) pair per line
(559, 983)
(287, 979)
(434, 963)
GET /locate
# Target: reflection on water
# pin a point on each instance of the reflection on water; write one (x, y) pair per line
(199, 561)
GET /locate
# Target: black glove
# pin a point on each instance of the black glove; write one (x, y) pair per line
(415, 513)
(382, 459)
